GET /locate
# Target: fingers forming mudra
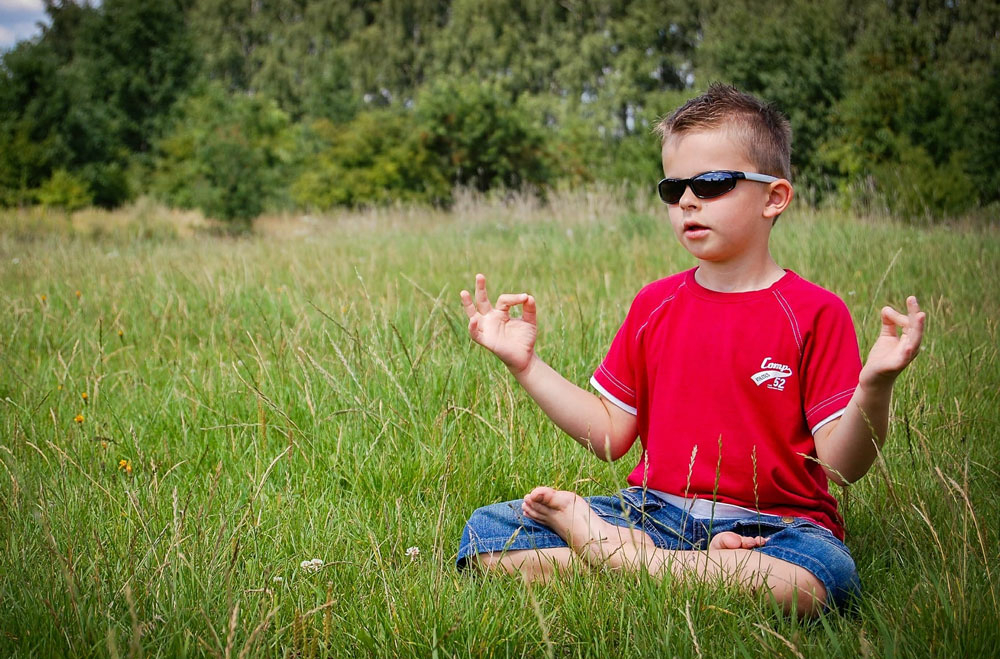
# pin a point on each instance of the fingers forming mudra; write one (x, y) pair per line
(899, 339)
(512, 339)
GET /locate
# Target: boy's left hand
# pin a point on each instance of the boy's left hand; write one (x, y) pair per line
(893, 351)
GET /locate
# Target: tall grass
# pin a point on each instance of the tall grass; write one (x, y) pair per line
(309, 391)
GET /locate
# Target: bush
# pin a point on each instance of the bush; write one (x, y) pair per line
(64, 190)
(916, 188)
(374, 159)
(909, 185)
(480, 138)
(226, 155)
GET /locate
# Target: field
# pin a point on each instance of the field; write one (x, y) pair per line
(187, 417)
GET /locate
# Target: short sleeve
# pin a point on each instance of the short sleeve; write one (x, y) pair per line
(615, 378)
(831, 364)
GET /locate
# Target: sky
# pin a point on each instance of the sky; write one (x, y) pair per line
(19, 20)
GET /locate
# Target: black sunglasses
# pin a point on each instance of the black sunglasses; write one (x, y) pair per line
(706, 185)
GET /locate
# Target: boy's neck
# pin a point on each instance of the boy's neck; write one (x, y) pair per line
(738, 277)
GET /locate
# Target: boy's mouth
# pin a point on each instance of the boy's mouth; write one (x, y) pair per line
(690, 228)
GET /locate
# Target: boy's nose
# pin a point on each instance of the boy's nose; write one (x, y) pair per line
(688, 199)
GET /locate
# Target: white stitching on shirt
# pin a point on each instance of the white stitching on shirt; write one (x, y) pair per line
(829, 400)
(627, 389)
(658, 307)
(787, 308)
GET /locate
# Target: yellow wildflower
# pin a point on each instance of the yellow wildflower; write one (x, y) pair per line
(125, 465)
(78, 418)
(83, 395)
(78, 294)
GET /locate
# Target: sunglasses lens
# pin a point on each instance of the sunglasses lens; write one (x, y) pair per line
(712, 184)
(704, 186)
(671, 190)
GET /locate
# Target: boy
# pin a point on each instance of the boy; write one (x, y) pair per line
(742, 380)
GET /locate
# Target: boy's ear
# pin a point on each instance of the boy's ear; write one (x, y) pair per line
(779, 195)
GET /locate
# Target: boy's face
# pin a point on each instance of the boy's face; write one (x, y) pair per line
(730, 229)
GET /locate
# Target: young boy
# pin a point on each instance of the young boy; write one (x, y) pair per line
(742, 381)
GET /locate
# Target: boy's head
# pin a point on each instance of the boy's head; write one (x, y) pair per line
(726, 168)
(758, 129)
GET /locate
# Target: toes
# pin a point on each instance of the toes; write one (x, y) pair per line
(540, 494)
(731, 540)
(529, 510)
(751, 543)
(726, 540)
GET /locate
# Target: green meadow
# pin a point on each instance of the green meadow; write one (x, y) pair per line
(189, 417)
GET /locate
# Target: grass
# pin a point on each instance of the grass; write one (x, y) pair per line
(309, 391)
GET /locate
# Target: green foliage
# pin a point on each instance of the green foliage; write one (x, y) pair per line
(64, 190)
(32, 103)
(504, 93)
(287, 50)
(226, 154)
(375, 159)
(917, 188)
(91, 92)
(460, 133)
(479, 137)
(910, 125)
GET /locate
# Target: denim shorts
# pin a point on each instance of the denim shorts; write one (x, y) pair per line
(503, 527)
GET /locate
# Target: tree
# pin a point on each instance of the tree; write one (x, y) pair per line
(292, 51)
(91, 91)
(794, 55)
(913, 127)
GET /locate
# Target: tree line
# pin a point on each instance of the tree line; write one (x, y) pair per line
(241, 108)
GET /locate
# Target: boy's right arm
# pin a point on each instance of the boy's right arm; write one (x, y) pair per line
(591, 420)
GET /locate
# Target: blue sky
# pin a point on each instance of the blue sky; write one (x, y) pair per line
(19, 20)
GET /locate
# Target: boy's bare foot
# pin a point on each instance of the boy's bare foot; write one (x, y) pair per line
(730, 540)
(602, 543)
(569, 515)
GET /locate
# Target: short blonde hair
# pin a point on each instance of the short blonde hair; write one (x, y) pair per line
(760, 128)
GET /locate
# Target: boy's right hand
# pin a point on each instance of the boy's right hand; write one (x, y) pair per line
(510, 339)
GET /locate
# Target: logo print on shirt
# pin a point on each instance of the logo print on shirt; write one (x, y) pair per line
(772, 371)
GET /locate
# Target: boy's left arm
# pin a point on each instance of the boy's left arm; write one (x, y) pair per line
(848, 446)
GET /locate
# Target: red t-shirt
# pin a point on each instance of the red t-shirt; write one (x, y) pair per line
(728, 389)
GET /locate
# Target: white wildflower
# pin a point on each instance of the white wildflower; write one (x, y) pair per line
(278, 579)
(312, 566)
(413, 553)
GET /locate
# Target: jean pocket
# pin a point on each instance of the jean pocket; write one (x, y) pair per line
(752, 527)
(640, 501)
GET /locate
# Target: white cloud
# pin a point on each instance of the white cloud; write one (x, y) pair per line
(21, 5)
(11, 34)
